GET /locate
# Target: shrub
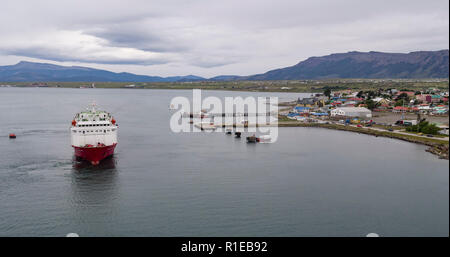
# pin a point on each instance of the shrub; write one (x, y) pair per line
(424, 127)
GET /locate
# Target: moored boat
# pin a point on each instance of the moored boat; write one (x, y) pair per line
(251, 139)
(205, 125)
(264, 139)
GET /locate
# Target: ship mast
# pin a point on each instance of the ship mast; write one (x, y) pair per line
(92, 106)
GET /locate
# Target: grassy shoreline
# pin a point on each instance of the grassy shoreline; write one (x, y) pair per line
(435, 146)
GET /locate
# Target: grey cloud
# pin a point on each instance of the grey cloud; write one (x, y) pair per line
(143, 39)
(52, 55)
(215, 37)
(209, 63)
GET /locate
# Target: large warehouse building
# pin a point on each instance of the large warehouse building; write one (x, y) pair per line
(359, 112)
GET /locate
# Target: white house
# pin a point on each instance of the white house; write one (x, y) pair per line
(359, 112)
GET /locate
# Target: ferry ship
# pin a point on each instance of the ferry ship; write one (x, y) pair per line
(94, 134)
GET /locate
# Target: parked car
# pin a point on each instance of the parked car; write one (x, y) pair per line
(429, 135)
(390, 129)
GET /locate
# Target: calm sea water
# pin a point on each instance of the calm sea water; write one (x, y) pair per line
(311, 182)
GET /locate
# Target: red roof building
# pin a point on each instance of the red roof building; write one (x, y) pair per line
(400, 109)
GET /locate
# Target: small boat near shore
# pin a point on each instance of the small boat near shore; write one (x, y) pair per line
(261, 139)
(251, 139)
(205, 125)
(264, 139)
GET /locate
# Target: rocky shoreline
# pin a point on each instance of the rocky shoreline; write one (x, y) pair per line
(439, 150)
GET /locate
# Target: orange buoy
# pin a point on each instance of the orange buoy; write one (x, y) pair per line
(12, 135)
(74, 123)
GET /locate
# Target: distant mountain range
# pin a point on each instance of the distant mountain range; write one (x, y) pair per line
(422, 64)
(44, 72)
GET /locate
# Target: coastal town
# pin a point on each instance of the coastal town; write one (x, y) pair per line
(417, 116)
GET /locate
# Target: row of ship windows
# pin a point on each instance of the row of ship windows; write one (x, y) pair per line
(92, 125)
(92, 131)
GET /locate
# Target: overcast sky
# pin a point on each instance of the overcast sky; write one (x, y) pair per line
(213, 37)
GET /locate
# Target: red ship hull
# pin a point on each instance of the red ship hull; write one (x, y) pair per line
(94, 154)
